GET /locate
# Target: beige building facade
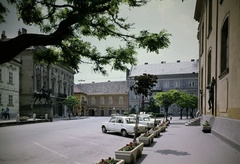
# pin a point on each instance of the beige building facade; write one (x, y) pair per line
(104, 98)
(9, 86)
(219, 65)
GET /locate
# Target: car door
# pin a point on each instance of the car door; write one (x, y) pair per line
(119, 124)
(111, 124)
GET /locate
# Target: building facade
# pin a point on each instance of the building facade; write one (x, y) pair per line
(104, 98)
(31, 77)
(9, 86)
(219, 58)
(182, 76)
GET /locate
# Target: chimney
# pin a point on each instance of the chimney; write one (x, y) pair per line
(24, 31)
(19, 32)
(3, 36)
(178, 61)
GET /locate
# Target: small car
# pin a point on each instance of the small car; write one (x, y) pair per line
(152, 118)
(145, 120)
(124, 125)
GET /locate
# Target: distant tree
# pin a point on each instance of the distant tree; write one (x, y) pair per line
(64, 25)
(166, 99)
(182, 102)
(142, 86)
(193, 103)
(152, 107)
(71, 101)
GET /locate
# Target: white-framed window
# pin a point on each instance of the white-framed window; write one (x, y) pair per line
(191, 83)
(10, 78)
(93, 101)
(110, 100)
(10, 99)
(120, 100)
(166, 84)
(177, 83)
(102, 101)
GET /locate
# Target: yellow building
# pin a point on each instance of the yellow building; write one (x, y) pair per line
(81, 109)
(103, 98)
(219, 66)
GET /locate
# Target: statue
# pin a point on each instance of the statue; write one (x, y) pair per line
(211, 93)
(45, 93)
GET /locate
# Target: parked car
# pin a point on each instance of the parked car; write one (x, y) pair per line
(152, 118)
(145, 120)
(124, 125)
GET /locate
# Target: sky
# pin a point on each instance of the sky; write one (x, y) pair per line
(174, 16)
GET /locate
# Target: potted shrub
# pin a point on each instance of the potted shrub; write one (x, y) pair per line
(206, 127)
(23, 118)
(111, 161)
(162, 127)
(130, 152)
(156, 131)
(146, 138)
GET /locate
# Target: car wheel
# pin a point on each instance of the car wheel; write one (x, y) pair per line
(104, 130)
(124, 133)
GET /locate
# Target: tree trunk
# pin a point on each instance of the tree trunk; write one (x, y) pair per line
(181, 110)
(166, 113)
(187, 112)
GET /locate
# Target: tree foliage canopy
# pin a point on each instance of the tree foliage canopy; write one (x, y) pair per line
(71, 101)
(143, 84)
(65, 23)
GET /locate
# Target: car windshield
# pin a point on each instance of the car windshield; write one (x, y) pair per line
(130, 120)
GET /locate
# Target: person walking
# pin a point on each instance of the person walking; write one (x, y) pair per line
(7, 115)
(3, 113)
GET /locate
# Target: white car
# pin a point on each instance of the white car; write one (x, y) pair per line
(152, 118)
(145, 120)
(124, 125)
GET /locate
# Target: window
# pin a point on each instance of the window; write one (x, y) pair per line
(10, 78)
(166, 84)
(120, 100)
(93, 101)
(102, 101)
(191, 84)
(0, 74)
(224, 48)
(202, 39)
(10, 100)
(209, 67)
(0, 98)
(53, 86)
(177, 84)
(110, 101)
(209, 16)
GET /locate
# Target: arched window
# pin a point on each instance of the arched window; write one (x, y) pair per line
(224, 48)
(209, 66)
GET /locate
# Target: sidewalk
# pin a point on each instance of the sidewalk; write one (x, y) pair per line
(182, 144)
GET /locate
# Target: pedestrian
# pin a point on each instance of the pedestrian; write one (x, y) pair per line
(3, 113)
(7, 115)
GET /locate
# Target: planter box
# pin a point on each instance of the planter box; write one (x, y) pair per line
(206, 129)
(146, 140)
(130, 156)
(162, 127)
(118, 161)
(155, 132)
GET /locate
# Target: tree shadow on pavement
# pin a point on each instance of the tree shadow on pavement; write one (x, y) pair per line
(173, 152)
